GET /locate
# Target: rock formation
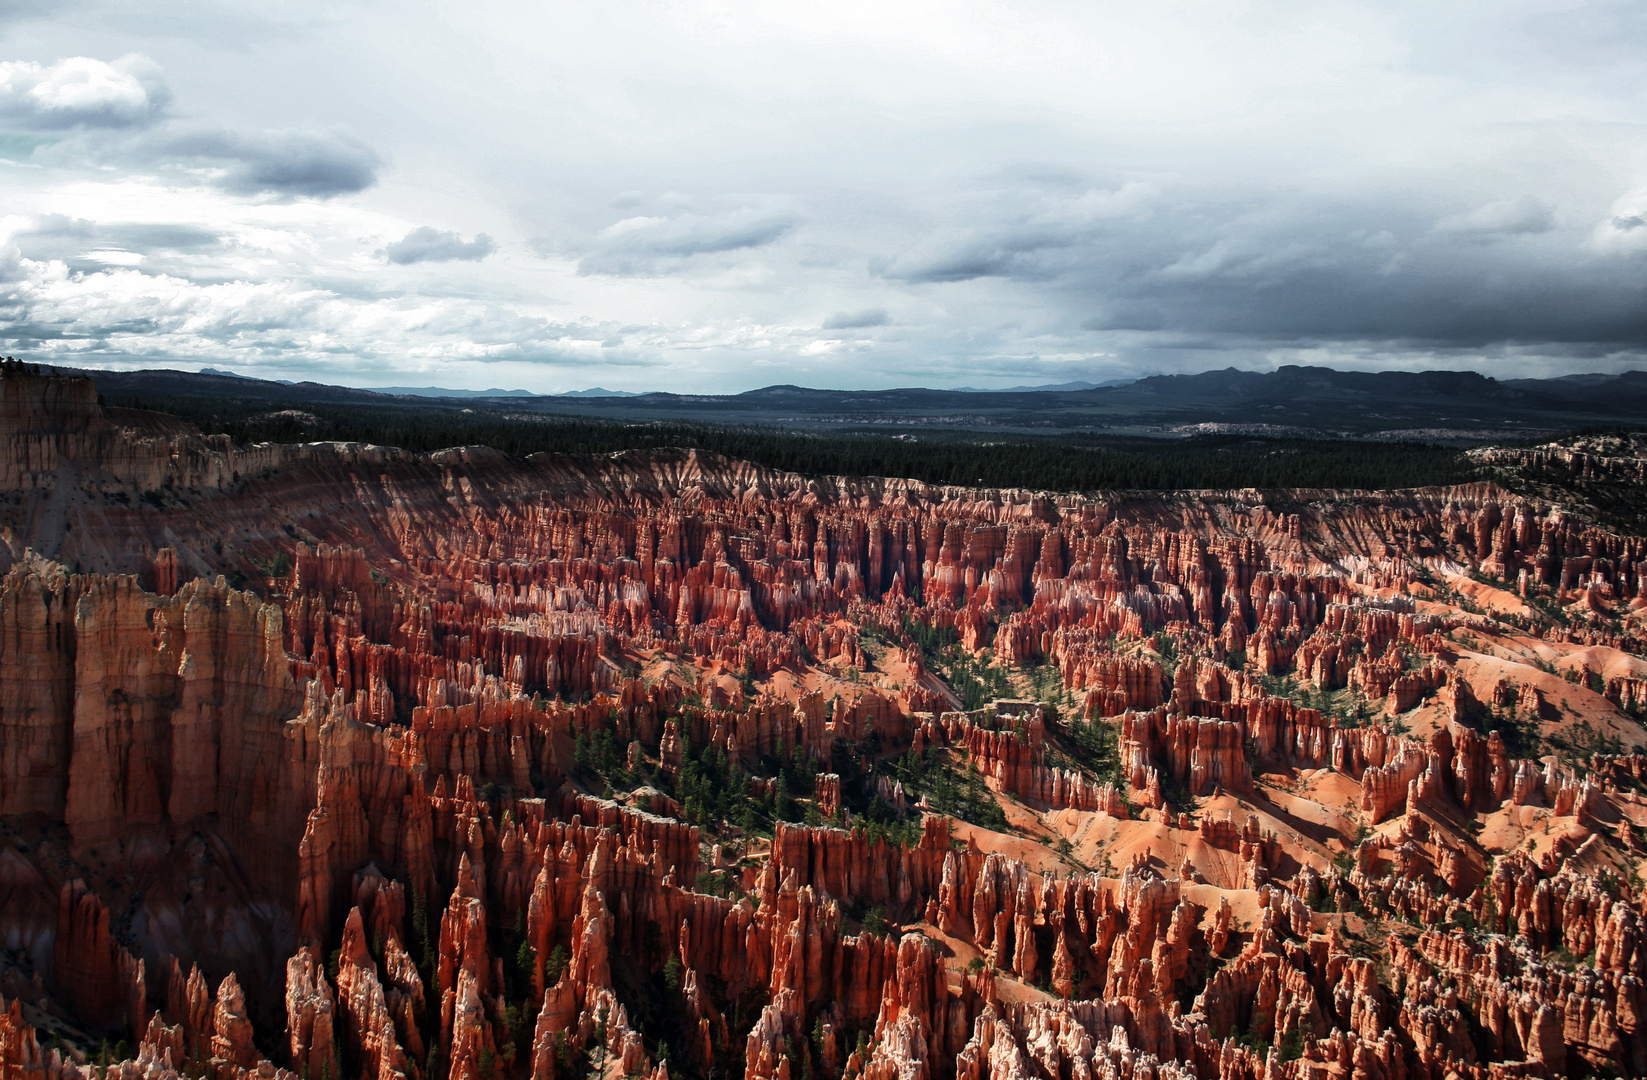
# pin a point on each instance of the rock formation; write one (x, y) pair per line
(336, 760)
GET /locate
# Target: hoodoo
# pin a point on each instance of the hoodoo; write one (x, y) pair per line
(336, 761)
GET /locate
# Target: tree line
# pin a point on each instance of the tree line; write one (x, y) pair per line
(1071, 462)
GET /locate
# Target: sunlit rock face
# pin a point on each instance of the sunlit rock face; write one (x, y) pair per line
(339, 761)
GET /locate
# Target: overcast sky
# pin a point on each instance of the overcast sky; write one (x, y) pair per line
(719, 196)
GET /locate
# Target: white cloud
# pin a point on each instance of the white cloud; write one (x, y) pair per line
(1505, 217)
(1133, 199)
(1622, 230)
(81, 92)
(121, 313)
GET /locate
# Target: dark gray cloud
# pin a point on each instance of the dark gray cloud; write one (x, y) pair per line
(1426, 306)
(313, 164)
(1287, 270)
(426, 244)
(1019, 233)
(855, 320)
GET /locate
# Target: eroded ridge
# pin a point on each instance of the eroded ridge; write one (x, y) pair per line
(335, 761)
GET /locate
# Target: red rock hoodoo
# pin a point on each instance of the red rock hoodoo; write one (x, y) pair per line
(334, 760)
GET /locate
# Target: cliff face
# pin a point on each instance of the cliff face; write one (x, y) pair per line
(335, 759)
(134, 710)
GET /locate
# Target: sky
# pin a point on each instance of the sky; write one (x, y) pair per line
(717, 196)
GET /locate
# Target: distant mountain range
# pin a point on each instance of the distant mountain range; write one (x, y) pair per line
(447, 392)
(1077, 385)
(602, 392)
(443, 392)
(439, 391)
(598, 391)
(1451, 406)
